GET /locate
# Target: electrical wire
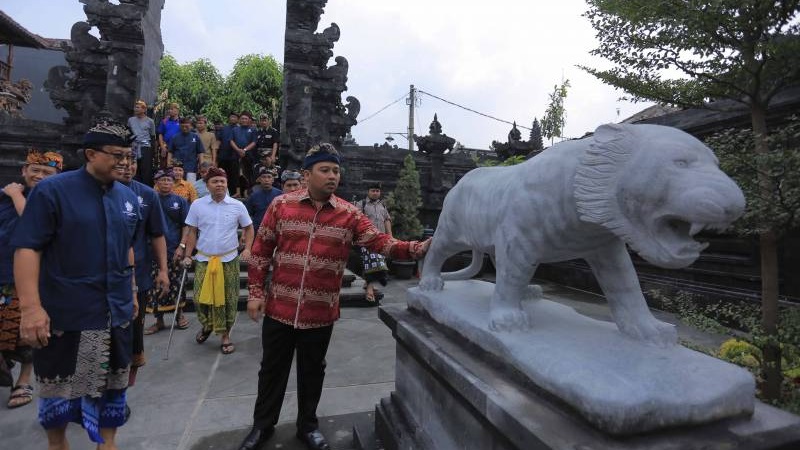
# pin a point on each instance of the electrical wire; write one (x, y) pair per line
(382, 109)
(471, 110)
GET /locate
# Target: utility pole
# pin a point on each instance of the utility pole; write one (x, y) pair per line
(411, 102)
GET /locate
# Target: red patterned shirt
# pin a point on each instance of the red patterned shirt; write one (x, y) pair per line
(311, 247)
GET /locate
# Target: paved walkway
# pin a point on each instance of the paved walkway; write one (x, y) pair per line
(201, 399)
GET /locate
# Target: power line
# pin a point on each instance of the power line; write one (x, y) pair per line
(382, 109)
(471, 110)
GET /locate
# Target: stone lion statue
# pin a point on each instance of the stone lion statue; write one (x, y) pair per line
(648, 186)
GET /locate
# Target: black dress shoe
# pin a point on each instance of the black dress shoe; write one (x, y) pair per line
(256, 438)
(314, 440)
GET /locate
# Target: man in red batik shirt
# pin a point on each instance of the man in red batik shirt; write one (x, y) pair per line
(310, 231)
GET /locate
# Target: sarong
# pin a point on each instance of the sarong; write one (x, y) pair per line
(375, 268)
(10, 315)
(108, 411)
(82, 377)
(218, 319)
(167, 302)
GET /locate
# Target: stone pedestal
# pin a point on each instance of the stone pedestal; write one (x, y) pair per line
(451, 394)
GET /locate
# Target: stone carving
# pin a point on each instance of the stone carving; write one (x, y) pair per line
(312, 92)
(14, 96)
(109, 73)
(515, 145)
(650, 187)
(435, 145)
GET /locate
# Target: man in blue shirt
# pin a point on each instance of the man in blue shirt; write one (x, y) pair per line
(38, 166)
(175, 209)
(227, 157)
(244, 140)
(74, 275)
(259, 201)
(150, 234)
(167, 128)
(187, 148)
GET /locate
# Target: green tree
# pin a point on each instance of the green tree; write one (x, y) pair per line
(535, 137)
(193, 85)
(254, 84)
(741, 50)
(405, 201)
(555, 116)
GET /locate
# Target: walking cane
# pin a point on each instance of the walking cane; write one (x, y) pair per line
(175, 315)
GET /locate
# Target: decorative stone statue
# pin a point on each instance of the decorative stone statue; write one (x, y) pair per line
(312, 91)
(649, 187)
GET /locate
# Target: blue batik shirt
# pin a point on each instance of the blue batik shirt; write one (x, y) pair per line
(185, 148)
(168, 128)
(84, 230)
(8, 220)
(243, 136)
(224, 136)
(154, 225)
(258, 202)
(175, 210)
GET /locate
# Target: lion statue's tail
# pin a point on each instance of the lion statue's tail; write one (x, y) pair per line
(468, 272)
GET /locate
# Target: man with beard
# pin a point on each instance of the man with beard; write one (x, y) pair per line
(74, 275)
(175, 209)
(37, 167)
(310, 233)
(216, 218)
(151, 232)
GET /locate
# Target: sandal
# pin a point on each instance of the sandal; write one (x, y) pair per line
(227, 349)
(24, 392)
(182, 323)
(154, 328)
(202, 336)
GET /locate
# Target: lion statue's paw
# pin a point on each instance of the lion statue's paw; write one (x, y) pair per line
(652, 331)
(508, 319)
(431, 283)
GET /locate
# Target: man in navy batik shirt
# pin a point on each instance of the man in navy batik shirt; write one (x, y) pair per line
(74, 275)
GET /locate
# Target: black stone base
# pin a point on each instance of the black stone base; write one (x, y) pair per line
(450, 395)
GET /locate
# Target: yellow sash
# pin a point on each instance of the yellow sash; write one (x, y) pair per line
(212, 292)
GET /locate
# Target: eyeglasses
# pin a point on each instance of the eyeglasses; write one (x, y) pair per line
(117, 156)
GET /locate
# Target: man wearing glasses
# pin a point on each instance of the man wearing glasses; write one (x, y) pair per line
(76, 236)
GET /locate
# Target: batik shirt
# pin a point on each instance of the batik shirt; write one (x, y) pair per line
(311, 249)
(175, 209)
(84, 230)
(8, 220)
(153, 226)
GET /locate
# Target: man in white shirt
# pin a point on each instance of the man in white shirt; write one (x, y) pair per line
(216, 284)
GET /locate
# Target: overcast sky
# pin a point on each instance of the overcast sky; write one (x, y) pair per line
(501, 57)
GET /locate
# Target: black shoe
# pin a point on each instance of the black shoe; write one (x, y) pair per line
(314, 440)
(256, 438)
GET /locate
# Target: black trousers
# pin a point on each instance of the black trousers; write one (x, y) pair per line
(278, 342)
(231, 168)
(145, 166)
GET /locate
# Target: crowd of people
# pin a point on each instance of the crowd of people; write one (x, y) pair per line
(86, 254)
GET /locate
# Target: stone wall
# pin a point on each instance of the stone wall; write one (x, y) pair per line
(363, 165)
